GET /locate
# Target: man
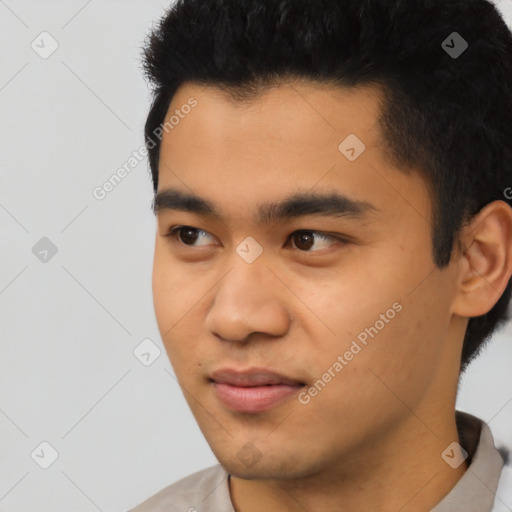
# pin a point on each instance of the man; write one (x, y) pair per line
(332, 192)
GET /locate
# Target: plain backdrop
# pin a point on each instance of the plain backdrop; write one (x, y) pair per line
(75, 273)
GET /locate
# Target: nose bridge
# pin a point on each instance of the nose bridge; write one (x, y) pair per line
(247, 299)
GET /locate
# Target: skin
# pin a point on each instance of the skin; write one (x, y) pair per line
(372, 438)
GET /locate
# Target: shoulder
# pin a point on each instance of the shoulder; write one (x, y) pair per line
(205, 488)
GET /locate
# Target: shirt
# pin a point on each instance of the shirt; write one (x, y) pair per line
(485, 486)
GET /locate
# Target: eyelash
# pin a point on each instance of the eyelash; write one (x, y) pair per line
(172, 234)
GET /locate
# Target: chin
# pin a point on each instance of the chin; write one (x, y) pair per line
(264, 469)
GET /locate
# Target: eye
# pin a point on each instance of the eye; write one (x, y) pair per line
(303, 239)
(186, 234)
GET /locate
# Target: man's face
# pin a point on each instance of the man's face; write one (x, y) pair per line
(356, 311)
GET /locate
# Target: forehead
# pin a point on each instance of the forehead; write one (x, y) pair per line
(308, 110)
(283, 131)
(288, 139)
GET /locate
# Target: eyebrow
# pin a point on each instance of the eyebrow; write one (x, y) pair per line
(297, 205)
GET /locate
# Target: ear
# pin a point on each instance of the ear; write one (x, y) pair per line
(485, 263)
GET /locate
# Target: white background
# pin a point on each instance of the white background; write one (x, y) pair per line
(69, 326)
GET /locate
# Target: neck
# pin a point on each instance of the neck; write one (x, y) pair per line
(406, 473)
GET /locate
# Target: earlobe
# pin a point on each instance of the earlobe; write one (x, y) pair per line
(486, 260)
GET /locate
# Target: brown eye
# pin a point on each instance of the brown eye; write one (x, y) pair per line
(305, 239)
(186, 235)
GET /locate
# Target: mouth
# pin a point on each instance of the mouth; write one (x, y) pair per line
(254, 390)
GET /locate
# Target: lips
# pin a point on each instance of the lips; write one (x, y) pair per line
(252, 377)
(254, 390)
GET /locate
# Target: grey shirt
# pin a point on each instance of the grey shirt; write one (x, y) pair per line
(208, 490)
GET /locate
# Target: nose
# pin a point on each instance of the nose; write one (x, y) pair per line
(249, 299)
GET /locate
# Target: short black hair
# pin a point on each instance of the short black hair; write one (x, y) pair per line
(449, 116)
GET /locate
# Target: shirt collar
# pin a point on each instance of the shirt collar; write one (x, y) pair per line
(476, 489)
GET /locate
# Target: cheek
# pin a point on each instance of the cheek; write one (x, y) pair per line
(381, 378)
(344, 303)
(396, 316)
(171, 289)
(164, 292)
(177, 296)
(406, 354)
(174, 289)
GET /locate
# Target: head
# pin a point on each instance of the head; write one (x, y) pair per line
(397, 154)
